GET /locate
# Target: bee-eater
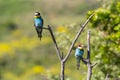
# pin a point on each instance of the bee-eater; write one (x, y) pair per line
(38, 23)
(79, 55)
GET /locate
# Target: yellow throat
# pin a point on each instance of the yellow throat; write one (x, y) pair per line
(36, 16)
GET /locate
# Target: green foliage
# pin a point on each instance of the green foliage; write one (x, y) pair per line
(107, 21)
(9, 25)
(6, 28)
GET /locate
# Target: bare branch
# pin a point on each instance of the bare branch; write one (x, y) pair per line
(94, 64)
(89, 74)
(88, 46)
(75, 39)
(107, 77)
(90, 66)
(85, 61)
(62, 76)
(45, 28)
(62, 55)
(55, 43)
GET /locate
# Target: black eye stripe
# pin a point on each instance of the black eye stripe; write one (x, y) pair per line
(37, 13)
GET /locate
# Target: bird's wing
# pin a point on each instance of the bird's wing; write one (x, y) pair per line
(36, 28)
(42, 22)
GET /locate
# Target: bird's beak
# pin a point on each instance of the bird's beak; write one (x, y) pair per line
(35, 16)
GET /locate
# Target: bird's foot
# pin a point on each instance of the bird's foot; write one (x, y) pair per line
(78, 65)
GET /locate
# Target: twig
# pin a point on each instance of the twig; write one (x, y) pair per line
(55, 43)
(94, 64)
(45, 28)
(58, 53)
(77, 36)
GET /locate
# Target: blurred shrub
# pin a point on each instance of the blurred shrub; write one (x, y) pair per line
(8, 25)
(107, 49)
(11, 26)
(6, 28)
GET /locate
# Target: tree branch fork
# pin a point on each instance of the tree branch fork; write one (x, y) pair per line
(64, 59)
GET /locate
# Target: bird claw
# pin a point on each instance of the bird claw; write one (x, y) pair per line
(78, 65)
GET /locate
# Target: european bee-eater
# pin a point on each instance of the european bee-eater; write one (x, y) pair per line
(79, 55)
(38, 23)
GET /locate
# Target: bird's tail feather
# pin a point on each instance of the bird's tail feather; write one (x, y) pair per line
(40, 36)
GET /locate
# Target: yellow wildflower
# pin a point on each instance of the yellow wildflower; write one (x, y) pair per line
(38, 69)
(6, 49)
(61, 29)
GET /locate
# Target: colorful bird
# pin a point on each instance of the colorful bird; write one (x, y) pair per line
(38, 23)
(79, 55)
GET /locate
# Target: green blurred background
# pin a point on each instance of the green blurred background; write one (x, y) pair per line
(24, 57)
